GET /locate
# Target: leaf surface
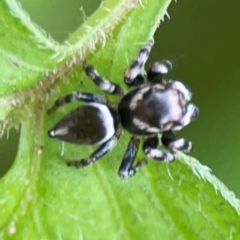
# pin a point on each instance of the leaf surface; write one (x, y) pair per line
(42, 198)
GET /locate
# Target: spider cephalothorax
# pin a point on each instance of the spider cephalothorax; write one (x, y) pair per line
(154, 107)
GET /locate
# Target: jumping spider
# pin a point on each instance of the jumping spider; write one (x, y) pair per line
(153, 107)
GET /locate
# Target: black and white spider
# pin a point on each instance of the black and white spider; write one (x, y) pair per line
(152, 108)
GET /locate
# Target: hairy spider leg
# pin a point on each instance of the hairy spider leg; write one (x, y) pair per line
(127, 168)
(158, 69)
(191, 113)
(150, 148)
(103, 149)
(104, 84)
(174, 144)
(76, 96)
(171, 142)
(133, 76)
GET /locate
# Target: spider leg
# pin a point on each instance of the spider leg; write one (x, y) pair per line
(158, 69)
(190, 114)
(174, 144)
(104, 84)
(133, 75)
(127, 169)
(150, 149)
(102, 150)
(76, 96)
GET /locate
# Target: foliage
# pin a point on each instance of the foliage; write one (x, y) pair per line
(40, 197)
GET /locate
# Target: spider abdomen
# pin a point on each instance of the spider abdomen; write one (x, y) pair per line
(88, 124)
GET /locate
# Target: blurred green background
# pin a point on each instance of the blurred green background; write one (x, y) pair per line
(202, 39)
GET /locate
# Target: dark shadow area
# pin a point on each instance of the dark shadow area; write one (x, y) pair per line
(8, 150)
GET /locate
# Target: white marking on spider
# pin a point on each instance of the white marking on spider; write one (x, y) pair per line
(105, 85)
(162, 67)
(138, 97)
(59, 132)
(140, 124)
(170, 98)
(187, 118)
(180, 87)
(107, 121)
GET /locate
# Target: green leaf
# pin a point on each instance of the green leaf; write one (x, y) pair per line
(40, 197)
